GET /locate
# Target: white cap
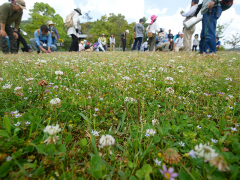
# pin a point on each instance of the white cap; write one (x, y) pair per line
(181, 33)
(127, 31)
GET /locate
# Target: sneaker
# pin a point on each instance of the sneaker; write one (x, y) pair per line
(38, 51)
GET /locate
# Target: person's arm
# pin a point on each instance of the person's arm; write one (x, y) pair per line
(2, 31)
(190, 12)
(37, 39)
(18, 22)
(75, 20)
(134, 29)
(57, 33)
(174, 46)
(49, 39)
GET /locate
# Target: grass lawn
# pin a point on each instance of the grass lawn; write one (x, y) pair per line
(120, 116)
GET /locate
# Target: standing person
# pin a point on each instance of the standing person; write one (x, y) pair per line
(104, 42)
(42, 40)
(178, 45)
(112, 43)
(218, 43)
(10, 13)
(124, 39)
(195, 43)
(138, 30)
(188, 32)
(170, 38)
(74, 29)
(54, 33)
(211, 12)
(154, 29)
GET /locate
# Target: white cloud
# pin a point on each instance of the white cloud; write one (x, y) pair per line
(156, 11)
(237, 2)
(133, 10)
(63, 8)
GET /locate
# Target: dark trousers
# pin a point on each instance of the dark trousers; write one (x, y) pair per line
(139, 40)
(23, 41)
(12, 41)
(124, 44)
(74, 45)
(194, 47)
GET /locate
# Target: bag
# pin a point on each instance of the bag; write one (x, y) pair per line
(68, 22)
(149, 34)
(95, 46)
(226, 4)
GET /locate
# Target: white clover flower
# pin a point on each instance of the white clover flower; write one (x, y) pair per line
(168, 80)
(172, 61)
(160, 69)
(205, 151)
(9, 158)
(155, 122)
(52, 131)
(59, 73)
(147, 135)
(181, 71)
(151, 132)
(158, 163)
(130, 100)
(1, 79)
(95, 133)
(192, 154)
(230, 107)
(55, 87)
(7, 86)
(126, 78)
(18, 124)
(234, 129)
(27, 123)
(96, 109)
(29, 79)
(191, 92)
(17, 88)
(181, 144)
(228, 79)
(237, 125)
(180, 67)
(214, 141)
(107, 140)
(170, 90)
(199, 127)
(209, 116)
(55, 101)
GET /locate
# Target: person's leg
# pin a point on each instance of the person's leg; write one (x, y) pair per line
(12, 40)
(111, 47)
(203, 32)
(166, 45)
(124, 45)
(145, 49)
(159, 47)
(54, 42)
(152, 43)
(140, 43)
(53, 48)
(182, 48)
(177, 49)
(34, 44)
(72, 47)
(23, 41)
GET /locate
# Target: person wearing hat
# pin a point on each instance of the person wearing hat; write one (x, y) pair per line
(178, 45)
(74, 29)
(54, 33)
(162, 42)
(10, 13)
(218, 43)
(139, 31)
(188, 32)
(124, 39)
(154, 29)
(104, 42)
(195, 43)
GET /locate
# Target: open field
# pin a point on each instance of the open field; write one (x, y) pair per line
(157, 107)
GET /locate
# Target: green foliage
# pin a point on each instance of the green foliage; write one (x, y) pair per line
(40, 15)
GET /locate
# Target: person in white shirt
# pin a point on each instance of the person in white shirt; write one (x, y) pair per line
(154, 29)
(188, 32)
(178, 45)
(144, 46)
(112, 43)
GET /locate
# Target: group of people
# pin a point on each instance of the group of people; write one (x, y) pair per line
(46, 37)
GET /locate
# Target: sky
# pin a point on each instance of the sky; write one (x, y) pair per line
(168, 12)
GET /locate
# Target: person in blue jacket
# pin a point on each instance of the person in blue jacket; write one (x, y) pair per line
(218, 43)
(42, 40)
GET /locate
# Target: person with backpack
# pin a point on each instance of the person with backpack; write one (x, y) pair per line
(72, 24)
(10, 13)
(42, 40)
(211, 10)
(112, 43)
(152, 31)
(54, 33)
(124, 39)
(188, 32)
(139, 31)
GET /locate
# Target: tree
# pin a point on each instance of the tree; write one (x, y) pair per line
(41, 14)
(233, 40)
(221, 28)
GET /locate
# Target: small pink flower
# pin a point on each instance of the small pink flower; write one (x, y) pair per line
(168, 173)
(74, 84)
(47, 90)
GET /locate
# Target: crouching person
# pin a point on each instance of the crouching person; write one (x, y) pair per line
(162, 42)
(42, 40)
